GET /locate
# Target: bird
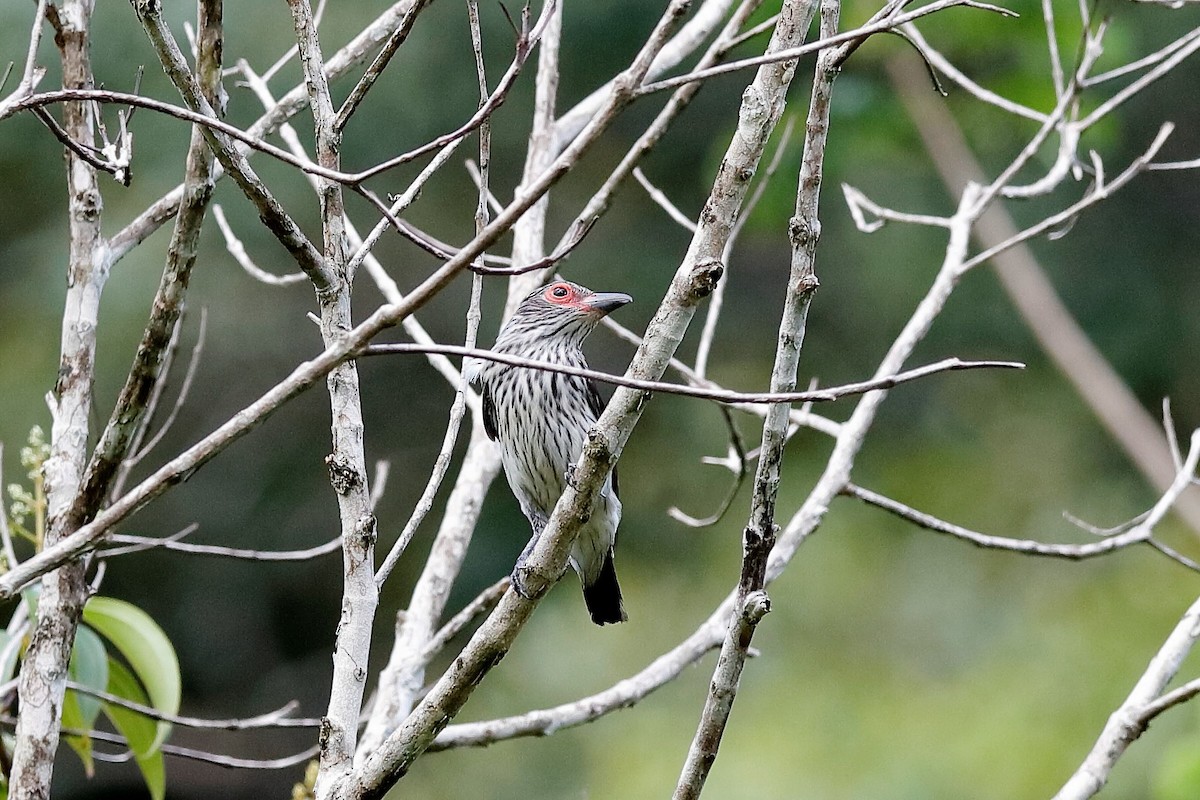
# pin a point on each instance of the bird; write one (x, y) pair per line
(541, 421)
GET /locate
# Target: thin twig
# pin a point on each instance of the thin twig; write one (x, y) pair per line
(801, 417)
(821, 44)
(664, 202)
(1141, 63)
(272, 719)
(184, 390)
(526, 41)
(483, 603)
(751, 602)
(1146, 699)
(383, 469)
(1101, 191)
(946, 67)
(10, 554)
(145, 542)
(719, 395)
(238, 250)
(193, 754)
(387, 286)
(1073, 552)
(858, 203)
(736, 461)
(1179, 50)
(359, 92)
(572, 240)
(458, 406)
(234, 162)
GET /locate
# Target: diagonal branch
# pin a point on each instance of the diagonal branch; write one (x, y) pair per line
(1038, 302)
(378, 65)
(1138, 534)
(823, 43)
(232, 160)
(1146, 700)
(306, 374)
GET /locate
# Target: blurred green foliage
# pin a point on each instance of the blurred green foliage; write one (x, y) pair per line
(895, 664)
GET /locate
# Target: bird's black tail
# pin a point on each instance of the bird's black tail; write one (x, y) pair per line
(603, 596)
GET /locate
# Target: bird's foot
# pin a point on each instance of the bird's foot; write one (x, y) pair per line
(570, 477)
(517, 580)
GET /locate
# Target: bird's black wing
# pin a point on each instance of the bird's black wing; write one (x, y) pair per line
(596, 405)
(489, 413)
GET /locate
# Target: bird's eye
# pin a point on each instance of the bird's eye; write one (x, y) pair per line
(560, 291)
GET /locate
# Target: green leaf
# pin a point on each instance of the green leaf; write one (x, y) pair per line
(147, 649)
(89, 667)
(73, 717)
(140, 732)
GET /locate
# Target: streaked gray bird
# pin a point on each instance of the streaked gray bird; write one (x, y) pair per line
(541, 420)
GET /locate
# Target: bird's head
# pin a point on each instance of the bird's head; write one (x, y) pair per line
(561, 311)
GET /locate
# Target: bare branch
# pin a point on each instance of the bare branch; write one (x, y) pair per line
(1036, 299)
(758, 538)
(1101, 191)
(65, 590)
(397, 37)
(473, 316)
(347, 462)
(663, 201)
(820, 44)
(719, 395)
(236, 249)
(185, 388)
(1074, 552)
(858, 203)
(1141, 63)
(483, 603)
(232, 160)
(145, 542)
(279, 718)
(624, 694)
(1177, 52)
(1146, 700)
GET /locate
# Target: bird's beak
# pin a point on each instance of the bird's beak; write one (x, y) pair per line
(606, 302)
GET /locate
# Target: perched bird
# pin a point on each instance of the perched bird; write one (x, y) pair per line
(541, 420)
